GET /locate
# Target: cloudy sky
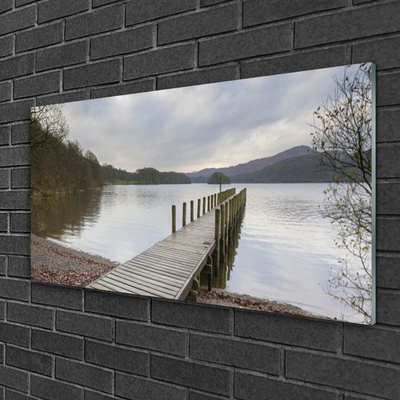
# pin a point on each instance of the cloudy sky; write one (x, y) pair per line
(214, 125)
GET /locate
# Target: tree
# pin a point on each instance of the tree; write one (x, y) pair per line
(218, 177)
(48, 123)
(343, 137)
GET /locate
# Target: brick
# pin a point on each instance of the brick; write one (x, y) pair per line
(14, 289)
(259, 11)
(386, 161)
(56, 343)
(134, 388)
(37, 85)
(388, 234)
(63, 98)
(50, 389)
(274, 39)
(12, 395)
(146, 10)
(57, 295)
(10, 333)
(387, 122)
(20, 178)
(19, 245)
(251, 387)
(29, 360)
(284, 329)
(16, 111)
(93, 74)
(387, 272)
(39, 37)
(2, 310)
(387, 306)
(117, 305)
(303, 61)
(386, 198)
(95, 22)
(62, 56)
(85, 325)
(201, 396)
(54, 9)
(17, 20)
(3, 266)
(151, 337)
(17, 66)
(3, 223)
(84, 374)
(160, 61)
(341, 26)
(205, 3)
(20, 222)
(21, 133)
(99, 3)
(199, 24)
(13, 378)
(4, 138)
(14, 156)
(382, 52)
(5, 91)
(89, 395)
(117, 358)
(19, 266)
(359, 376)
(124, 42)
(6, 46)
(372, 342)
(219, 74)
(193, 316)
(6, 5)
(31, 315)
(145, 85)
(186, 373)
(19, 3)
(235, 353)
(4, 178)
(387, 93)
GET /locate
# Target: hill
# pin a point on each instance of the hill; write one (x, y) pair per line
(249, 167)
(301, 169)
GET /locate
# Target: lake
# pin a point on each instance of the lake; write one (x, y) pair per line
(286, 248)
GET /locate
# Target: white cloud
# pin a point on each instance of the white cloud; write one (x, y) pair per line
(187, 129)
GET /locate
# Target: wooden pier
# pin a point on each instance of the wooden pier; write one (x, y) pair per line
(171, 268)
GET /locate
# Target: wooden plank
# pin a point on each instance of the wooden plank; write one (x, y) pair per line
(158, 270)
(176, 265)
(152, 275)
(133, 288)
(172, 271)
(136, 278)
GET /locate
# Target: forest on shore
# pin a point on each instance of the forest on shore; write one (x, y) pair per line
(59, 165)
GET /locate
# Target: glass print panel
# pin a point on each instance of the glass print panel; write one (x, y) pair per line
(256, 193)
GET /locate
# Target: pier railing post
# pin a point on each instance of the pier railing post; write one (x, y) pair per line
(191, 210)
(222, 244)
(204, 205)
(184, 214)
(173, 219)
(216, 236)
(198, 207)
(208, 203)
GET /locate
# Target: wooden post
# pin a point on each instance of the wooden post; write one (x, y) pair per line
(215, 199)
(173, 219)
(222, 244)
(198, 208)
(208, 203)
(204, 205)
(216, 237)
(212, 202)
(184, 215)
(191, 210)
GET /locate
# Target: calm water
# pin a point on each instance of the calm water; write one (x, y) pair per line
(286, 248)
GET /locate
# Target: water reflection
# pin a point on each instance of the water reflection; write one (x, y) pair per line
(284, 248)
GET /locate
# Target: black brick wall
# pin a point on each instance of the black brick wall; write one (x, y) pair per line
(67, 343)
